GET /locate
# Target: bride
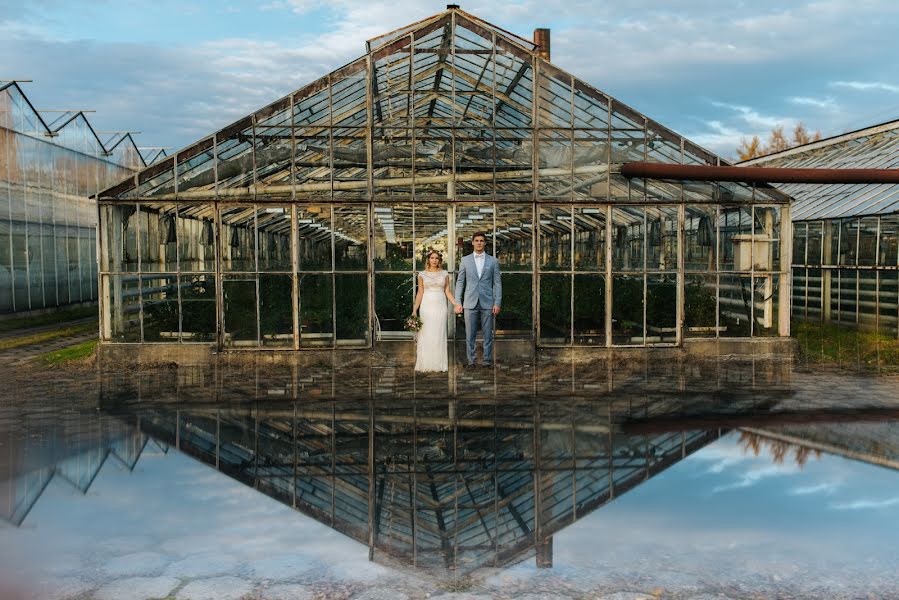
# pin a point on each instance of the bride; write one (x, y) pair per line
(433, 287)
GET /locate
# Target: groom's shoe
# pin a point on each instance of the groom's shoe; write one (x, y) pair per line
(471, 366)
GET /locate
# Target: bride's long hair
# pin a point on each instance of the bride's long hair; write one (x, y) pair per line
(428, 259)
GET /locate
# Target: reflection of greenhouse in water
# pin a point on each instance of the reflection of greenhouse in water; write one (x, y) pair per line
(846, 237)
(488, 486)
(50, 163)
(303, 224)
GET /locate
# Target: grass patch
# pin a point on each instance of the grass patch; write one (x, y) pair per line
(831, 344)
(68, 354)
(52, 318)
(45, 336)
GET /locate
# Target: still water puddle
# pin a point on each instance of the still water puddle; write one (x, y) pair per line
(739, 481)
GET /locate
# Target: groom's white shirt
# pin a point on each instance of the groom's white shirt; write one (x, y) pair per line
(479, 262)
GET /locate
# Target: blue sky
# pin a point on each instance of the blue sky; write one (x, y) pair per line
(712, 71)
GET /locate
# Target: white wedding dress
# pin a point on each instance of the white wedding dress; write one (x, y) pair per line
(430, 350)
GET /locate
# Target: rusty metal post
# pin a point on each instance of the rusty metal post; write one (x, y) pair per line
(757, 174)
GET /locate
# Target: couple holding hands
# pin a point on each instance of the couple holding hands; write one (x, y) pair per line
(479, 294)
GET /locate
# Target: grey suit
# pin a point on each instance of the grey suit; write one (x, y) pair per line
(478, 296)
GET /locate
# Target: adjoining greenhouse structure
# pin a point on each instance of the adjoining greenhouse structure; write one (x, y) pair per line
(845, 250)
(51, 163)
(303, 224)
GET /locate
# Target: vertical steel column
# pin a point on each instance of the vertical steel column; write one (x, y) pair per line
(371, 479)
(858, 236)
(372, 316)
(681, 276)
(8, 218)
(217, 240)
(294, 241)
(876, 277)
(296, 450)
(331, 211)
(573, 210)
(608, 234)
(451, 186)
(538, 499)
(535, 198)
(718, 245)
(255, 234)
(786, 284)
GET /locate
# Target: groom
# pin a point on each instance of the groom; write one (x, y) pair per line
(479, 292)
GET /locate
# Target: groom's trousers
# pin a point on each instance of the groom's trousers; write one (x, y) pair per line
(473, 316)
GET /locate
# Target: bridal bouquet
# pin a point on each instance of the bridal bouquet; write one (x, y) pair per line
(413, 323)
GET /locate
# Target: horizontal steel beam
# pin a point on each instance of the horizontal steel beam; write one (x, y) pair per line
(757, 174)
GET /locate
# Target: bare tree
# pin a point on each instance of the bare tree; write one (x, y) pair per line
(777, 142)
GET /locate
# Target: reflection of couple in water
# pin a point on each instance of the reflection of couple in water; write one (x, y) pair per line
(479, 295)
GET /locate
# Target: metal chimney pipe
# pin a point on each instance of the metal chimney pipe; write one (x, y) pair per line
(541, 40)
(757, 174)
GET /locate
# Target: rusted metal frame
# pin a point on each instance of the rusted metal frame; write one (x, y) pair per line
(531, 64)
(376, 525)
(369, 149)
(473, 51)
(876, 276)
(256, 239)
(478, 84)
(758, 174)
(538, 476)
(508, 503)
(396, 33)
(131, 183)
(294, 244)
(410, 123)
(332, 438)
(493, 138)
(419, 28)
(413, 491)
(572, 211)
(455, 107)
(506, 38)
(824, 447)
(402, 42)
(446, 46)
(608, 235)
(438, 513)
(681, 276)
(535, 183)
(660, 425)
(785, 299)
(451, 184)
(375, 94)
(645, 240)
(331, 197)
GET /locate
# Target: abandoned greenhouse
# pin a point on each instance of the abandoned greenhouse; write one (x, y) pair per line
(846, 236)
(51, 162)
(303, 224)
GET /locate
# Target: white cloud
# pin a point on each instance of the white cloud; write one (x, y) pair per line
(809, 490)
(755, 474)
(829, 104)
(754, 118)
(864, 86)
(866, 504)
